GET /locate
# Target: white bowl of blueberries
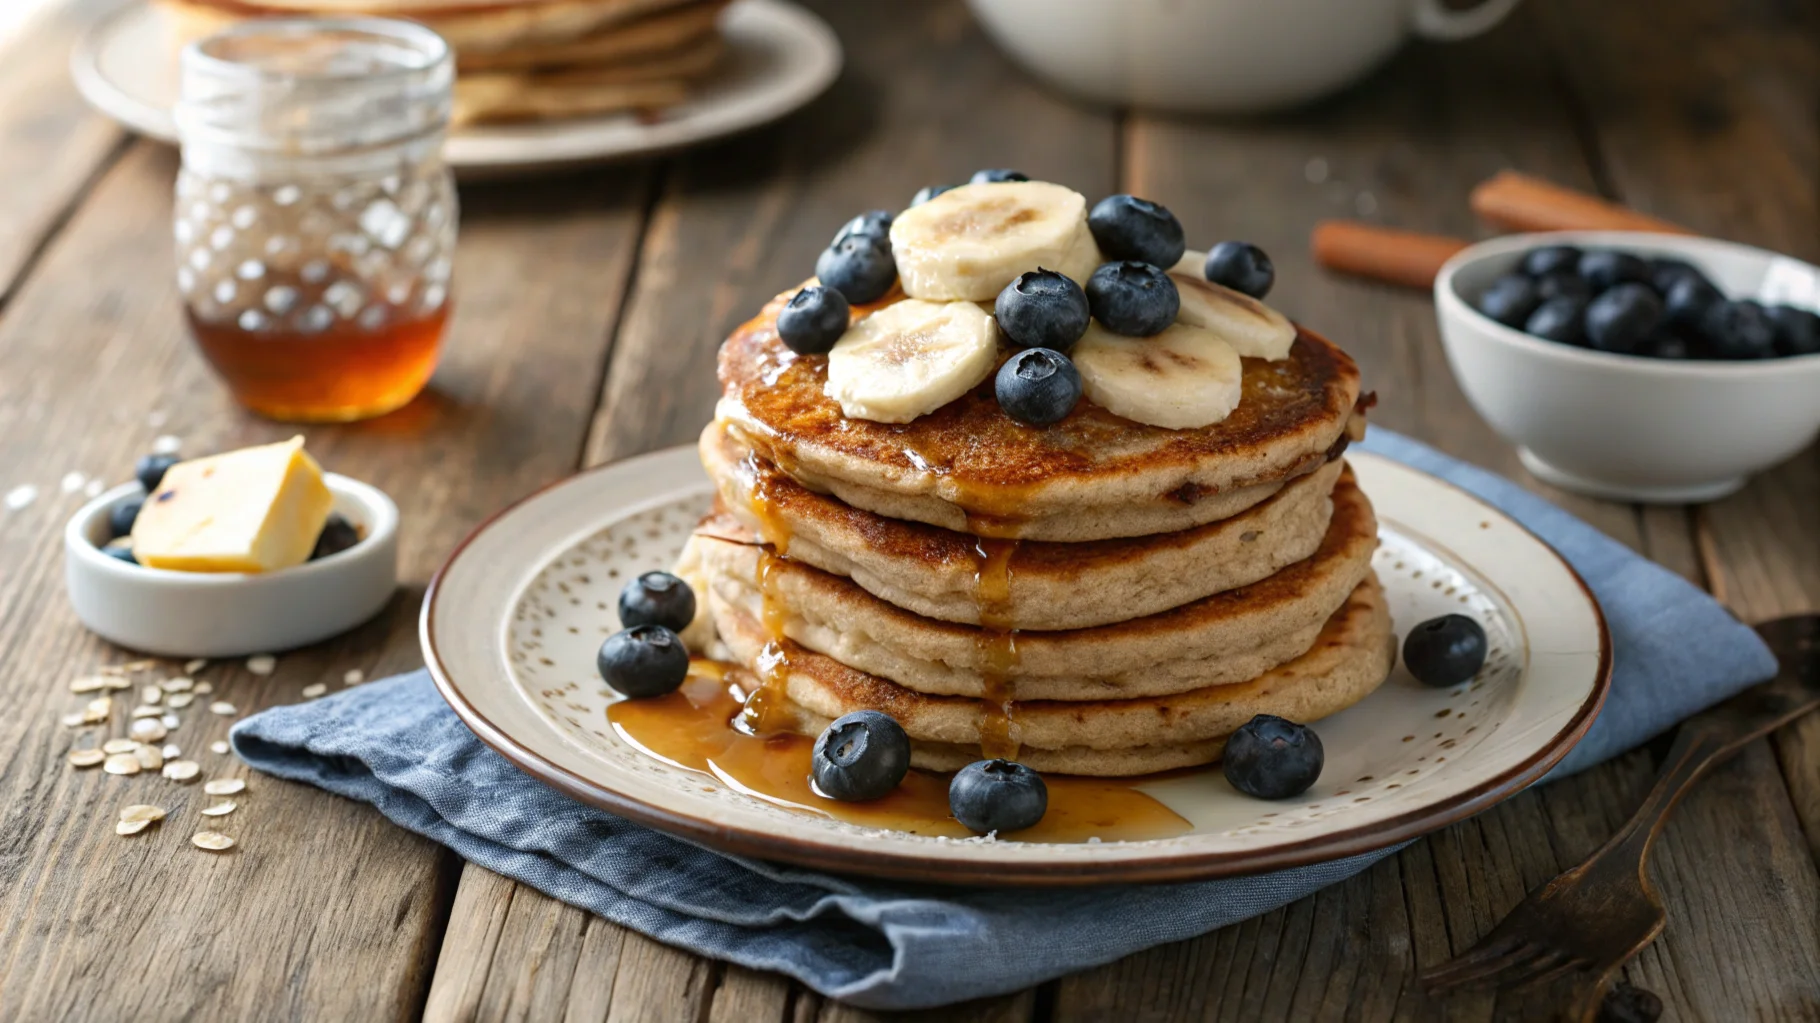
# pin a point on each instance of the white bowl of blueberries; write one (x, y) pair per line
(1634, 366)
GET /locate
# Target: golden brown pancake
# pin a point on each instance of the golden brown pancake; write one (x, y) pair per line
(537, 95)
(1351, 657)
(643, 38)
(970, 467)
(469, 26)
(949, 575)
(1221, 639)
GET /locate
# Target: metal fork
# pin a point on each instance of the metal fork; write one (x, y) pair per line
(1591, 920)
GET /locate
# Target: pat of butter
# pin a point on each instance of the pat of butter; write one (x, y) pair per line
(252, 510)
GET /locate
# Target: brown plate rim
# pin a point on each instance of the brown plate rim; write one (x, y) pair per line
(1174, 867)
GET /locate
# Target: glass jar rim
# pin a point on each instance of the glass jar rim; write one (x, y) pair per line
(433, 47)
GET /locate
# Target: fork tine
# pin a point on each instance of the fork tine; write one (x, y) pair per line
(1478, 962)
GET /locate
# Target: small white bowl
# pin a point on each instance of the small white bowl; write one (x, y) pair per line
(207, 614)
(1626, 427)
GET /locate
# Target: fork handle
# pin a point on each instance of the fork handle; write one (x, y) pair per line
(1695, 751)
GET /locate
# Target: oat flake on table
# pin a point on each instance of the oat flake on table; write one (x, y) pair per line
(221, 809)
(224, 786)
(261, 664)
(21, 496)
(142, 812)
(310, 692)
(213, 841)
(178, 701)
(192, 667)
(72, 482)
(177, 684)
(130, 827)
(88, 684)
(86, 757)
(218, 746)
(119, 746)
(167, 445)
(122, 764)
(182, 770)
(223, 708)
(354, 677)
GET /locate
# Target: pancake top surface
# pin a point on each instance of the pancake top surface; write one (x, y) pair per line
(1289, 411)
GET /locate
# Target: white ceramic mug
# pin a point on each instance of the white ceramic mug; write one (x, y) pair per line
(1217, 56)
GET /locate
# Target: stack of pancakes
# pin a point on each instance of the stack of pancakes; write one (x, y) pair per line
(1097, 597)
(523, 60)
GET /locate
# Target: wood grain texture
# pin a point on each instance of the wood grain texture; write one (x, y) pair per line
(325, 910)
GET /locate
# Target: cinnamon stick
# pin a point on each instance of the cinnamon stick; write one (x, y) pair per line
(1518, 202)
(1380, 253)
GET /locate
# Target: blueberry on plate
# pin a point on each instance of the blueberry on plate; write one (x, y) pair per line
(1622, 318)
(1042, 309)
(1241, 266)
(862, 755)
(1797, 330)
(338, 534)
(995, 175)
(1688, 301)
(997, 795)
(657, 598)
(858, 266)
(1549, 260)
(928, 192)
(1271, 758)
(1038, 386)
(1445, 651)
(1563, 285)
(1509, 300)
(1134, 299)
(1559, 319)
(646, 660)
(150, 470)
(1607, 268)
(1126, 227)
(1665, 272)
(120, 517)
(1740, 330)
(872, 224)
(813, 320)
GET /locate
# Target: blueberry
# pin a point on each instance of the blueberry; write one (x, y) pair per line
(1241, 266)
(1606, 268)
(1038, 386)
(1626, 1003)
(1563, 285)
(120, 517)
(813, 320)
(1559, 319)
(1740, 330)
(1665, 272)
(150, 470)
(657, 598)
(121, 552)
(928, 192)
(862, 755)
(1042, 309)
(1126, 227)
(1135, 299)
(1622, 318)
(1271, 758)
(858, 266)
(872, 223)
(1445, 651)
(1687, 302)
(646, 660)
(338, 534)
(1509, 300)
(1666, 344)
(995, 175)
(1549, 260)
(997, 795)
(1797, 330)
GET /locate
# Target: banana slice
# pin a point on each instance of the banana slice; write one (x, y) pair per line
(1180, 379)
(911, 358)
(1253, 329)
(969, 242)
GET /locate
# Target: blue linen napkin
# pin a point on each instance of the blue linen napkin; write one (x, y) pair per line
(397, 745)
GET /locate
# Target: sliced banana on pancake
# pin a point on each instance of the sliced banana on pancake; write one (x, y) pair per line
(1253, 329)
(969, 242)
(1183, 378)
(911, 358)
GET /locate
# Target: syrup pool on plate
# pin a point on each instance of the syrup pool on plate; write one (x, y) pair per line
(696, 728)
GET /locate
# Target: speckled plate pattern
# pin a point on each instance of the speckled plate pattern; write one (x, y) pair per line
(512, 622)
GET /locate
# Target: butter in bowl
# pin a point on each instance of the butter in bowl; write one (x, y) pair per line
(237, 553)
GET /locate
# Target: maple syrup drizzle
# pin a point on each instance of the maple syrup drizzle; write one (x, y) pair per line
(696, 728)
(997, 644)
(767, 705)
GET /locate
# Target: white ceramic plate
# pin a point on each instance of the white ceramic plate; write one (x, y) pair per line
(780, 57)
(512, 622)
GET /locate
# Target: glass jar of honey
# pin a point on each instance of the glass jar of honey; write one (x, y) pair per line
(315, 218)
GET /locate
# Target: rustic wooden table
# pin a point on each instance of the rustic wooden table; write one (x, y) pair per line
(589, 310)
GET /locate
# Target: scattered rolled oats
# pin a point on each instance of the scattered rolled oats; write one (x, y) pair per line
(221, 809)
(213, 841)
(142, 812)
(97, 710)
(354, 677)
(224, 786)
(150, 758)
(223, 708)
(177, 684)
(72, 482)
(130, 827)
(261, 664)
(171, 751)
(128, 668)
(115, 683)
(192, 667)
(119, 746)
(86, 757)
(313, 691)
(204, 688)
(151, 694)
(121, 763)
(218, 746)
(182, 770)
(178, 701)
(148, 730)
(170, 721)
(166, 444)
(147, 712)
(75, 720)
(88, 684)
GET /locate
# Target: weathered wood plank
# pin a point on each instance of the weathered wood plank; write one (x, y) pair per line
(325, 910)
(51, 144)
